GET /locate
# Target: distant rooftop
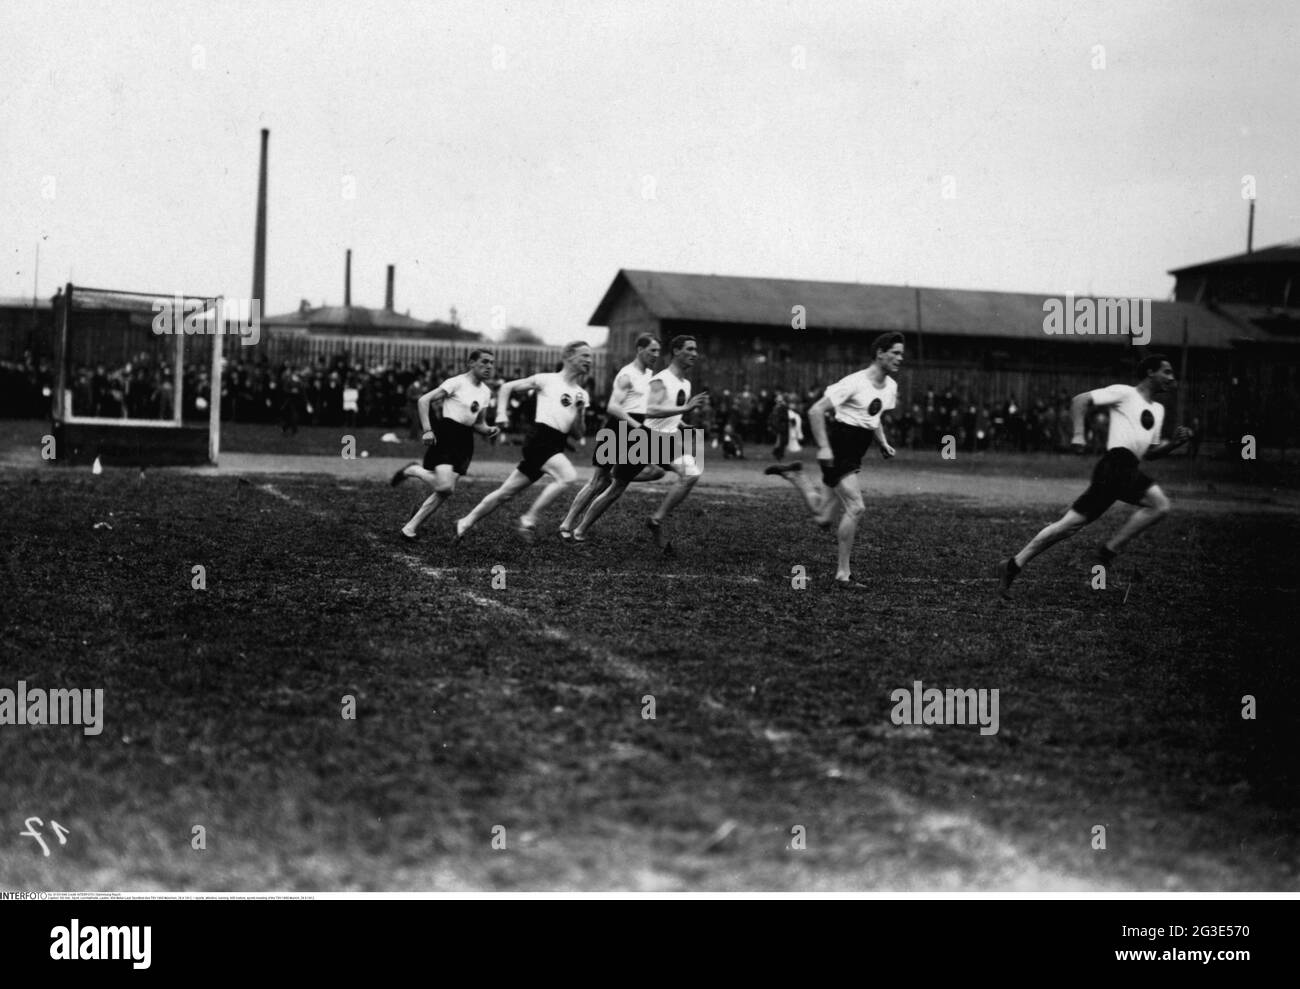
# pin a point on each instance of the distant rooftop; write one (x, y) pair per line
(1287, 253)
(362, 320)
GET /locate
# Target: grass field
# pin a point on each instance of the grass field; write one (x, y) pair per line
(521, 707)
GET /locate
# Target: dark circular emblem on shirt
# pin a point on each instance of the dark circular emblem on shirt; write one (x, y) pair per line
(874, 407)
(473, 406)
(1148, 420)
(565, 400)
(681, 396)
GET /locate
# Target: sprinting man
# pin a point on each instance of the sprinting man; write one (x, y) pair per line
(561, 407)
(669, 399)
(462, 403)
(627, 403)
(858, 402)
(1135, 425)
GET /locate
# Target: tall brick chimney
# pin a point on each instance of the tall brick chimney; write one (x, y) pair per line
(259, 237)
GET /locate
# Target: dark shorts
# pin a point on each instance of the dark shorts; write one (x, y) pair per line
(662, 453)
(540, 445)
(848, 446)
(612, 423)
(1117, 477)
(453, 444)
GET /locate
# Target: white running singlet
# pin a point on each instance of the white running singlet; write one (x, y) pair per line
(638, 388)
(466, 398)
(1135, 423)
(678, 394)
(860, 403)
(558, 401)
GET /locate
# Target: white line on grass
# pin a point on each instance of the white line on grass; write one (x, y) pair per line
(273, 490)
(624, 668)
(595, 572)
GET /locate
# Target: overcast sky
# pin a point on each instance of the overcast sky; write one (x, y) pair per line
(509, 158)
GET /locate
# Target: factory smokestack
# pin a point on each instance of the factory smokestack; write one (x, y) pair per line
(1250, 230)
(259, 238)
(388, 296)
(347, 279)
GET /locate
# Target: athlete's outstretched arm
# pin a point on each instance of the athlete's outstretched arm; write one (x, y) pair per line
(1181, 435)
(1078, 411)
(579, 428)
(435, 397)
(657, 406)
(886, 450)
(481, 426)
(617, 396)
(817, 420)
(506, 390)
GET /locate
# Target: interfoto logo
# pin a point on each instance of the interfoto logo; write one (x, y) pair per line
(1098, 317)
(647, 447)
(225, 317)
(932, 706)
(53, 707)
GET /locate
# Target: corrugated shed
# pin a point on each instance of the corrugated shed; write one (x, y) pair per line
(878, 308)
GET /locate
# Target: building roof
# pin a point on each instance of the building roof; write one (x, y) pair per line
(361, 320)
(1288, 253)
(880, 308)
(350, 318)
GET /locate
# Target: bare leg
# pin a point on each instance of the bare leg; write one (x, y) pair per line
(562, 475)
(850, 496)
(1065, 527)
(600, 506)
(548, 494)
(1154, 507)
(675, 496)
(829, 502)
(515, 483)
(599, 482)
(430, 505)
(429, 477)
(814, 499)
(443, 481)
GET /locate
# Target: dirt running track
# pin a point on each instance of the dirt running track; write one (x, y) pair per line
(877, 479)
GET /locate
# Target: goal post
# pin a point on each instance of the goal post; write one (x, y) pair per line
(138, 378)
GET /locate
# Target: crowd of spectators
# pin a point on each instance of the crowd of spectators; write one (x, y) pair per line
(341, 393)
(771, 418)
(1041, 426)
(328, 393)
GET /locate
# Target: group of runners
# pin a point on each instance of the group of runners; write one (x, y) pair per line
(646, 411)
